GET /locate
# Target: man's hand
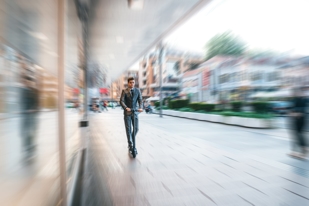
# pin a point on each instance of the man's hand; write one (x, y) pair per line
(140, 110)
(128, 109)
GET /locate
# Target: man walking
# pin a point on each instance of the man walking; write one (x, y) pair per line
(298, 115)
(128, 100)
(105, 105)
(30, 109)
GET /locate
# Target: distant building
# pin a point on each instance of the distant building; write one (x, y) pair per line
(295, 73)
(225, 78)
(196, 83)
(175, 63)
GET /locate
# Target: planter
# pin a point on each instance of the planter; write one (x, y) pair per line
(167, 112)
(191, 115)
(171, 112)
(237, 120)
(174, 113)
(226, 120)
(255, 123)
(230, 120)
(205, 117)
(183, 114)
(215, 118)
(200, 116)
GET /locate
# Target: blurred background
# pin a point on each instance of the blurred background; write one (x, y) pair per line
(235, 62)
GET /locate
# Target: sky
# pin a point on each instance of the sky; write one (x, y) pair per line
(277, 25)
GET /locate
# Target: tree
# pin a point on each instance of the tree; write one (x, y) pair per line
(225, 44)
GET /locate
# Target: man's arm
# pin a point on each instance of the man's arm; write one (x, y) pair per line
(140, 106)
(124, 106)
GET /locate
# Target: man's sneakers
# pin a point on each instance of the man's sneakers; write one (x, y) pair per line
(133, 152)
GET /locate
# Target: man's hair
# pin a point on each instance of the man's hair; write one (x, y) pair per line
(130, 79)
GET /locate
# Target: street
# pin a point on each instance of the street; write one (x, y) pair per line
(189, 162)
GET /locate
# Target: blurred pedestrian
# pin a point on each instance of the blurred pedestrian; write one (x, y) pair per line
(30, 109)
(105, 105)
(96, 107)
(298, 122)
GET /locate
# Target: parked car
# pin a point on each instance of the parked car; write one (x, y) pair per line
(280, 107)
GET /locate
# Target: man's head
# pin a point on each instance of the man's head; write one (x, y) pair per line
(131, 82)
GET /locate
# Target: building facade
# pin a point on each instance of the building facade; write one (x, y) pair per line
(174, 64)
(295, 73)
(231, 78)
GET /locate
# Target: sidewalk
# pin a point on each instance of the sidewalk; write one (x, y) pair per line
(187, 162)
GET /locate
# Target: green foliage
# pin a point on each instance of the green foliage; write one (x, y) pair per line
(186, 109)
(226, 113)
(202, 106)
(163, 108)
(180, 103)
(166, 101)
(225, 44)
(201, 111)
(219, 108)
(157, 104)
(246, 114)
(189, 97)
(163, 103)
(260, 107)
(169, 99)
(236, 106)
(209, 107)
(196, 106)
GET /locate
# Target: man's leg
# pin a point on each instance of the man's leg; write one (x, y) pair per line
(301, 137)
(25, 132)
(128, 122)
(135, 128)
(294, 140)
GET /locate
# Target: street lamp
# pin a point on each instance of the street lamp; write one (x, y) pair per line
(160, 65)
